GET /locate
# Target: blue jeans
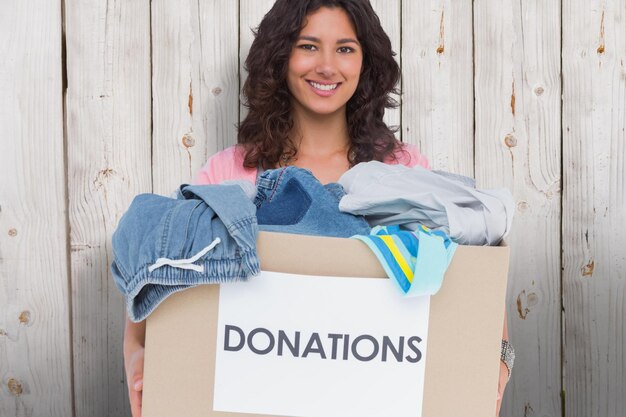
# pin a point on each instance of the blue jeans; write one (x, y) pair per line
(292, 200)
(164, 245)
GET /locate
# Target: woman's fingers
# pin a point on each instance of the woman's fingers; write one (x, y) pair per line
(135, 381)
(135, 402)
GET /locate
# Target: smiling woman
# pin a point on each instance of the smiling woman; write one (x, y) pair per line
(320, 77)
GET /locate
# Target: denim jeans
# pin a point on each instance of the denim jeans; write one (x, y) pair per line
(163, 245)
(292, 200)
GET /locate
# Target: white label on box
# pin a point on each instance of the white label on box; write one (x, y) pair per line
(306, 346)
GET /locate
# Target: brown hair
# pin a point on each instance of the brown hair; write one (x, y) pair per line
(264, 132)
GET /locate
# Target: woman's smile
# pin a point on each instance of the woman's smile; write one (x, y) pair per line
(324, 89)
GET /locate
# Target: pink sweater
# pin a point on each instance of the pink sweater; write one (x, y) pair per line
(228, 165)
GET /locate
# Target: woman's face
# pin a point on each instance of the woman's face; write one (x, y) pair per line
(325, 63)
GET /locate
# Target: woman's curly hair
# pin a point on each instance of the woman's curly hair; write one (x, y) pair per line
(264, 132)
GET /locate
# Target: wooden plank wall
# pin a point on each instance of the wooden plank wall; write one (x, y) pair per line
(517, 144)
(108, 120)
(438, 108)
(594, 206)
(35, 302)
(195, 84)
(100, 101)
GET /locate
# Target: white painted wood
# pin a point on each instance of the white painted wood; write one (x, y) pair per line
(517, 97)
(195, 86)
(437, 112)
(594, 207)
(250, 15)
(220, 71)
(35, 355)
(390, 17)
(108, 122)
(178, 137)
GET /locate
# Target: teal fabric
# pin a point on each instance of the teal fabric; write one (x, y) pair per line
(415, 260)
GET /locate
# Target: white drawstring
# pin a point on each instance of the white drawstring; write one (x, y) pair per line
(185, 263)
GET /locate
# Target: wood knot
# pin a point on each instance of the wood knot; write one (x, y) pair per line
(601, 49)
(3, 332)
(103, 176)
(188, 140)
(12, 232)
(525, 302)
(440, 50)
(15, 388)
(539, 91)
(528, 410)
(24, 318)
(106, 173)
(587, 270)
(522, 206)
(216, 91)
(510, 140)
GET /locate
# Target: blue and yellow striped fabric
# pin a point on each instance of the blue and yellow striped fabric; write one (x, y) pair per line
(415, 260)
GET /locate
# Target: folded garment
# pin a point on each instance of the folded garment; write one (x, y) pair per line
(246, 186)
(292, 200)
(410, 197)
(467, 181)
(415, 260)
(163, 245)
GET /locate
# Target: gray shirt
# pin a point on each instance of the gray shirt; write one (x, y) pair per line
(399, 195)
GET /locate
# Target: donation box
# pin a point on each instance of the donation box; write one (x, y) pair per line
(322, 332)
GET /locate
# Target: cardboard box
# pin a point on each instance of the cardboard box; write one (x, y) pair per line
(463, 336)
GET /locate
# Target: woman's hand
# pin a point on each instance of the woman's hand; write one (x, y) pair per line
(134, 341)
(504, 378)
(134, 378)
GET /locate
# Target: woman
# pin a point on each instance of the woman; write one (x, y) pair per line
(320, 77)
(316, 91)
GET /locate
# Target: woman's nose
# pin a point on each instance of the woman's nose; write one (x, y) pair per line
(326, 66)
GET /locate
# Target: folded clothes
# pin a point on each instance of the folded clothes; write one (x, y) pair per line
(467, 181)
(415, 260)
(292, 200)
(163, 245)
(410, 197)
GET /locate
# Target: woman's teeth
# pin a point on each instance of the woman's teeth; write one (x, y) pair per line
(323, 87)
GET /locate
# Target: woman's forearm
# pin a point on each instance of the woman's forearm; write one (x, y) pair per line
(134, 336)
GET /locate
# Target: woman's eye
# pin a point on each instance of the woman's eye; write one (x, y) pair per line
(307, 47)
(345, 50)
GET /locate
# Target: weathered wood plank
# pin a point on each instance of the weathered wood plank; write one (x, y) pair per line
(250, 15)
(517, 97)
(108, 144)
(437, 111)
(594, 207)
(35, 355)
(195, 86)
(390, 17)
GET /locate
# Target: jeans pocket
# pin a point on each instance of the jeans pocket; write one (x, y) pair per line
(287, 207)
